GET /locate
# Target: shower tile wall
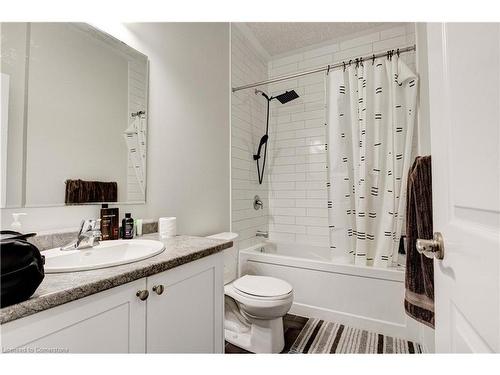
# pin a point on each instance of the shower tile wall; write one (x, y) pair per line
(297, 172)
(248, 123)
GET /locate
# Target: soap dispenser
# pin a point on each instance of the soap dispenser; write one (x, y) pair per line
(16, 224)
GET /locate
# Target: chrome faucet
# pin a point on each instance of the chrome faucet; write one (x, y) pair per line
(88, 236)
(257, 203)
(261, 233)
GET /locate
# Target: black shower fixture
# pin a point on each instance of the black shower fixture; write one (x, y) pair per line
(286, 97)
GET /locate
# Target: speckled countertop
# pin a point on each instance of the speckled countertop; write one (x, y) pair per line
(59, 288)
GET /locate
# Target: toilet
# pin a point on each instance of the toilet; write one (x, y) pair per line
(254, 309)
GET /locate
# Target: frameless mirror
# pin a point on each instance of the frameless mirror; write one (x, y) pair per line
(73, 108)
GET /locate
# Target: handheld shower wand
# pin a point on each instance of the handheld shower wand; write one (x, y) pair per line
(283, 98)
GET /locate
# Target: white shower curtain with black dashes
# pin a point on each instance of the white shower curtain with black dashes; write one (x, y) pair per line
(371, 117)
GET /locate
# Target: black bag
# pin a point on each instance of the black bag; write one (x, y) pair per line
(21, 267)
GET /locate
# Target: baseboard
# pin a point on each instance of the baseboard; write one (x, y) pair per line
(363, 322)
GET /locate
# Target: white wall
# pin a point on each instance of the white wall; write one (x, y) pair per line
(248, 125)
(188, 155)
(297, 166)
(424, 130)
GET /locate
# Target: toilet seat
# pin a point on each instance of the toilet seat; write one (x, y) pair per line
(262, 287)
(251, 297)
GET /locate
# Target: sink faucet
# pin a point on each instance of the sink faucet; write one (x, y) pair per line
(261, 233)
(88, 236)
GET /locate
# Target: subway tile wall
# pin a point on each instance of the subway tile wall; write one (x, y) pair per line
(248, 122)
(297, 165)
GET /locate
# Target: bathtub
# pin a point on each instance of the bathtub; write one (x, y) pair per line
(364, 297)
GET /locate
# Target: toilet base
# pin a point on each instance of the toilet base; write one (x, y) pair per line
(264, 336)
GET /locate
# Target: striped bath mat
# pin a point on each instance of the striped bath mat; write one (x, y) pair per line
(319, 336)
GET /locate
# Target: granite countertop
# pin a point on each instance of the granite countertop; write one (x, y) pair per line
(59, 288)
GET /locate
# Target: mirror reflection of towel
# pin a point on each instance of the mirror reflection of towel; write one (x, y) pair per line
(79, 191)
(419, 295)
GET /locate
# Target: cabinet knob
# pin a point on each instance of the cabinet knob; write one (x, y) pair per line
(158, 289)
(142, 294)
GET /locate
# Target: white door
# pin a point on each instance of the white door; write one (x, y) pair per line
(185, 308)
(464, 89)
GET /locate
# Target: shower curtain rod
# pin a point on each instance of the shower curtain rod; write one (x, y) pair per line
(323, 68)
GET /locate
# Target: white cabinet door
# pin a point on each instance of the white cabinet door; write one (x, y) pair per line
(112, 321)
(464, 91)
(188, 316)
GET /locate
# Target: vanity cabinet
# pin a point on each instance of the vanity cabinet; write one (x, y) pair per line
(185, 309)
(181, 311)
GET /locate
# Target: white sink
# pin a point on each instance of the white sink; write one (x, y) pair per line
(106, 254)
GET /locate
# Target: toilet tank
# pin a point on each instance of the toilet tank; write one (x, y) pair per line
(230, 255)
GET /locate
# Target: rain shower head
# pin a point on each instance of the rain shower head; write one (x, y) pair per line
(287, 96)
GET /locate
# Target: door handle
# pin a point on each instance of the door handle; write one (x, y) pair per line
(142, 294)
(432, 248)
(158, 289)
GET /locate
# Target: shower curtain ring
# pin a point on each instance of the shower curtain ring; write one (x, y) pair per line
(361, 61)
(397, 52)
(350, 61)
(373, 59)
(328, 70)
(343, 63)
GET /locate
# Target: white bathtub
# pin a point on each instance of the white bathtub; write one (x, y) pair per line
(363, 297)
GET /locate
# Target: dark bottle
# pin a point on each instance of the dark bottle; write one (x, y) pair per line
(109, 223)
(128, 227)
(105, 224)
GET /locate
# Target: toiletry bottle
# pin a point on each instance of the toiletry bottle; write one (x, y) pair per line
(128, 227)
(105, 223)
(138, 227)
(115, 223)
(110, 223)
(16, 224)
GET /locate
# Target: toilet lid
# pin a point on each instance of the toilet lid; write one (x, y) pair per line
(262, 286)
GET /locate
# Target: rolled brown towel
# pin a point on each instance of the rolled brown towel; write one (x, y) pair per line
(79, 191)
(419, 283)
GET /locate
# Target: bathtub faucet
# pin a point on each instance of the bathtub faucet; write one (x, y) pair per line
(261, 233)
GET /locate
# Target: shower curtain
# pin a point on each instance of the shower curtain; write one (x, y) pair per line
(135, 138)
(371, 116)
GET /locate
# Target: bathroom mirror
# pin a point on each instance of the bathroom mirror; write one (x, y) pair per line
(73, 107)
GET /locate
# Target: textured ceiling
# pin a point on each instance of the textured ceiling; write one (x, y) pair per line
(280, 37)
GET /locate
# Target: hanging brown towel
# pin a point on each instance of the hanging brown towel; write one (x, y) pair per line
(419, 294)
(79, 191)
